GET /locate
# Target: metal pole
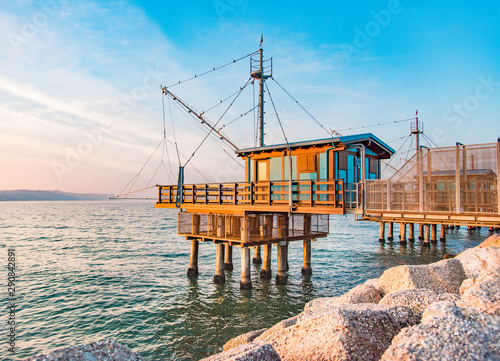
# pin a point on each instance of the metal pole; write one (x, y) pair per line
(261, 99)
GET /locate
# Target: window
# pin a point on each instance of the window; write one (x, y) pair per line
(262, 173)
(342, 160)
(307, 163)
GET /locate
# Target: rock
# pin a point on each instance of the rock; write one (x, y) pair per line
(443, 276)
(359, 294)
(247, 352)
(417, 299)
(280, 326)
(345, 332)
(105, 350)
(482, 294)
(448, 332)
(375, 282)
(477, 260)
(492, 241)
(242, 339)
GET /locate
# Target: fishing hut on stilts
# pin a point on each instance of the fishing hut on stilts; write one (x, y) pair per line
(288, 194)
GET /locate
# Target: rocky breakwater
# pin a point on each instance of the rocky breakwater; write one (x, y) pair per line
(448, 310)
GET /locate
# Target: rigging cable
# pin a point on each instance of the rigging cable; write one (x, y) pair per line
(390, 160)
(378, 125)
(204, 129)
(165, 144)
(300, 105)
(212, 128)
(173, 130)
(134, 179)
(213, 69)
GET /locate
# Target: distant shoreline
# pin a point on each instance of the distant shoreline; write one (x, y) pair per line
(38, 195)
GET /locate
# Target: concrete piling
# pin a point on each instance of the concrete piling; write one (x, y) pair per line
(246, 281)
(257, 258)
(426, 235)
(265, 272)
(381, 238)
(228, 258)
(402, 233)
(421, 229)
(411, 230)
(306, 265)
(219, 265)
(193, 259)
(442, 237)
(390, 238)
(434, 233)
(281, 276)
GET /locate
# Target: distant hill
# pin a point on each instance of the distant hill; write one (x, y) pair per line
(30, 195)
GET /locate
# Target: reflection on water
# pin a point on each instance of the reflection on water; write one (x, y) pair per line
(95, 270)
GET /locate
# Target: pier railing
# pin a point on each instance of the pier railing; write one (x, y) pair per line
(305, 193)
(458, 180)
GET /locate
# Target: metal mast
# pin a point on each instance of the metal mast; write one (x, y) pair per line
(261, 69)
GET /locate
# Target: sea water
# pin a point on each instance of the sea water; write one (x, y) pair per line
(87, 271)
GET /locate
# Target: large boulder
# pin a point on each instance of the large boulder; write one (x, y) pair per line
(443, 276)
(280, 326)
(242, 339)
(417, 299)
(448, 332)
(100, 350)
(482, 293)
(345, 332)
(492, 241)
(359, 294)
(248, 352)
(477, 260)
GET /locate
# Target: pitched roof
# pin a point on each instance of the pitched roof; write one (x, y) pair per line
(367, 139)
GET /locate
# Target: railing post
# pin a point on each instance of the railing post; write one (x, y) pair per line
(498, 176)
(220, 193)
(235, 193)
(251, 194)
(458, 206)
(311, 193)
(388, 195)
(269, 193)
(206, 193)
(159, 194)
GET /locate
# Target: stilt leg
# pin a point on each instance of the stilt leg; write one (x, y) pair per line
(381, 238)
(193, 260)
(228, 258)
(219, 265)
(246, 282)
(265, 273)
(306, 265)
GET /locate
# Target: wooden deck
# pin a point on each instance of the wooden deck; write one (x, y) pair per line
(308, 196)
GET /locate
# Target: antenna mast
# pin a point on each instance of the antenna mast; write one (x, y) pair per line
(417, 128)
(261, 69)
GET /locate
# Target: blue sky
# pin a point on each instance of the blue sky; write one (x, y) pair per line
(80, 99)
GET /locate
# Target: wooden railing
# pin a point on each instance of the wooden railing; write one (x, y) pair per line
(305, 193)
(476, 196)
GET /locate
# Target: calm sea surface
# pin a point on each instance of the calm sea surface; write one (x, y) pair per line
(117, 270)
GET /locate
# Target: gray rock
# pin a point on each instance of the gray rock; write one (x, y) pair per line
(477, 260)
(359, 294)
(448, 332)
(247, 352)
(482, 293)
(417, 299)
(242, 339)
(280, 326)
(443, 276)
(345, 332)
(105, 350)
